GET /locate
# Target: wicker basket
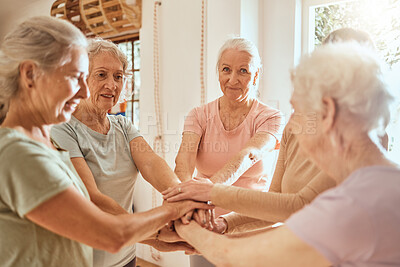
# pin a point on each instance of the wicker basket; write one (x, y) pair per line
(105, 18)
(69, 10)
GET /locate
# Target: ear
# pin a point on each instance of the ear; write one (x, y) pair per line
(329, 113)
(27, 70)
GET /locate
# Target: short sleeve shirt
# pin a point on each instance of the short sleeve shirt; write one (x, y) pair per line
(110, 161)
(31, 174)
(356, 223)
(218, 145)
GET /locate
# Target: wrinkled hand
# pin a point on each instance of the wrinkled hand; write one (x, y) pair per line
(198, 189)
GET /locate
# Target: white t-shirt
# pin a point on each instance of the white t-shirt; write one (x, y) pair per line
(358, 222)
(110, 161)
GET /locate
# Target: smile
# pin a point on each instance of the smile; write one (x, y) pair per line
(107, 95)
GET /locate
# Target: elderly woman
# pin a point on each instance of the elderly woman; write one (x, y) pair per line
(296, 181)
(46, 217)
(227, 140)
(107, 151)
(339, 93)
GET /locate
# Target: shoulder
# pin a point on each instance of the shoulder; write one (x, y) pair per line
(264, 110)
(16, 147)
(203, 113)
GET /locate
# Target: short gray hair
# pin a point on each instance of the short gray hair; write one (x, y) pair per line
(98, 45)
(241, 44)
(351, 74)
(45, 40)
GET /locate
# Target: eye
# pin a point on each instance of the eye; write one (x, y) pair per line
(119, 77)
(243, 70)
(101, 75)
(225, 69)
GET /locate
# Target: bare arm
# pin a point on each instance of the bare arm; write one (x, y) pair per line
(101, 200)
(278, 247)
(252, 152)
(185, 161)
(152, 167)
(70, 215)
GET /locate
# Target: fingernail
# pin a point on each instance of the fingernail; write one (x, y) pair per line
(204, 222)
(188, 218)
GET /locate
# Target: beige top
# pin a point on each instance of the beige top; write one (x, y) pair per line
(296, 182)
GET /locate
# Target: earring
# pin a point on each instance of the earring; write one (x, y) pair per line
(255, 78)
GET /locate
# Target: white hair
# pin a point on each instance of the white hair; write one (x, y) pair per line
(352, 75)
(99, 45)
(241, 44)
(45, 40)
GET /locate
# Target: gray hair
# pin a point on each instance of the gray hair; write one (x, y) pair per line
(98, 45)
(241, 44)
(351, 74)
(45, 40)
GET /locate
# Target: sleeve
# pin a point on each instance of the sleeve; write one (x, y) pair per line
(276, 183)
(29, 177)
(270, 121)
(128, 127)
(238, 223)
(275, 207)
(335, 226)
(65, 136)
(195, 121)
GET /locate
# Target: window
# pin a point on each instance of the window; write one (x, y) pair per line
(379, 18)
(130, 109)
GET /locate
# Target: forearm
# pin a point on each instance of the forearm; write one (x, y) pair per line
(267, 206)
(107, 204)
(183, 169)
(238, 223)
(234, 168)
(159, 174)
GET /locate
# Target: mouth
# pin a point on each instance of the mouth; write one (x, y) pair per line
(109, 96)
(71, 105)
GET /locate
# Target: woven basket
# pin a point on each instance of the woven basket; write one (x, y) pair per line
(105, 18)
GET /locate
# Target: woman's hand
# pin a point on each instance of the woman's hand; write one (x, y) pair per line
(179, 209)
(169, 236)
(198, 189)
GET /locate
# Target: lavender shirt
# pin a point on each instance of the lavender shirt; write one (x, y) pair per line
(356, 223)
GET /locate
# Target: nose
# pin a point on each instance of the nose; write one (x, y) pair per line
(233, 77)
(83, 92)
(110, 82)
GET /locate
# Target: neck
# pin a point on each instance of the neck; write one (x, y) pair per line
(235, 105)
(90, 115)
(354, 153)
(22, 117)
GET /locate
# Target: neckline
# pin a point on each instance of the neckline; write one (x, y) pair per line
(58, 149)
(93, 131)
(241, 124)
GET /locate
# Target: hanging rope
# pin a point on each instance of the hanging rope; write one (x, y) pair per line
(202, 83)
(158, 143)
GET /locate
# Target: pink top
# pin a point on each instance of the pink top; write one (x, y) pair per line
(218, 145)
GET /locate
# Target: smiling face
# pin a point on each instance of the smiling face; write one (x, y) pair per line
(236, 76)
(62, 89)
(106, 80)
